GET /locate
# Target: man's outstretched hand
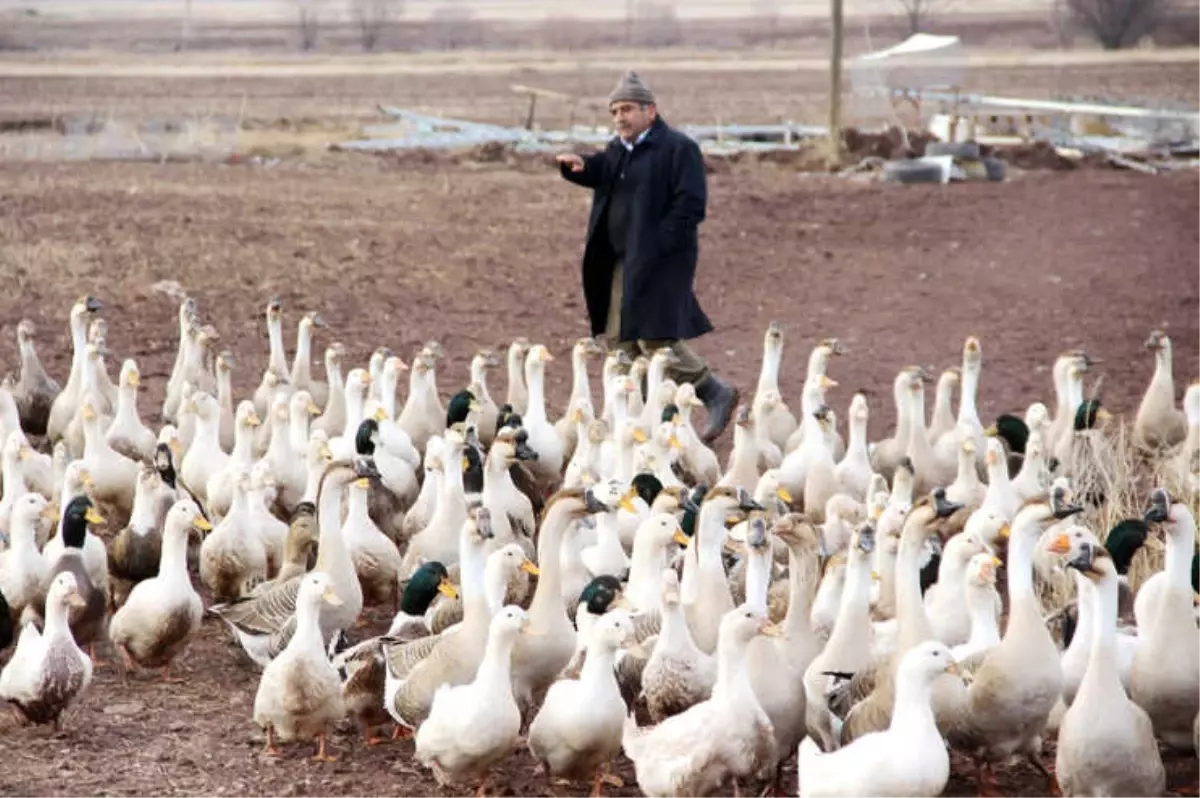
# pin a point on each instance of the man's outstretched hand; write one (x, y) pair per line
(575, 162)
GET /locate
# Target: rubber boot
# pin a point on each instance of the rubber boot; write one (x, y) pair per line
(720, 402)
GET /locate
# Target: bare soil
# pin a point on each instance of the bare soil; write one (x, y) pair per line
(397, 251)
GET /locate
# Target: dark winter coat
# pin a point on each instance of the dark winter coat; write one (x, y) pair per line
(659, 267)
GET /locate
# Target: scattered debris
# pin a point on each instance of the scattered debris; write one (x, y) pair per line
(415, 130)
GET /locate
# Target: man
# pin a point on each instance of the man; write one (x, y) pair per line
(639, 263)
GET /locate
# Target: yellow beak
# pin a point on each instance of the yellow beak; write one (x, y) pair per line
(528, 567)
(93, 517)
(680, 538)
(784, 495)
(447, 589)
(202, 523)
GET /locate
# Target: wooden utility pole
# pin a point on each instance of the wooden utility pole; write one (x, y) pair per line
(835, 79)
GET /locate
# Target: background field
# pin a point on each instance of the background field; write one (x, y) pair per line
(475, 250)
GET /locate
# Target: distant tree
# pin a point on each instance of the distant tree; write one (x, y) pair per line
(1117, 23)
(185, 29)
(562, 31)
(372, 18)
(766, 14)
(452, 25)
(919, 12)
(656, 23)
(308, 22)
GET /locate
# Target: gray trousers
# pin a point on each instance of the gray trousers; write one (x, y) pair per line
(690, 366)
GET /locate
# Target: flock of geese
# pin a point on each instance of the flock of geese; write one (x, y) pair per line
(598, 583)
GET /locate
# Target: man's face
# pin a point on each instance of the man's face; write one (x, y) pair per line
(630, 118)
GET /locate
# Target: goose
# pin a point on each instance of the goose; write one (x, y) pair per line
(414, 671)
(34, 390)
(38, 468)
(946, 605)
(48, 673)
(577, 731)
(542, 437)
(173, 395)
(1032, 481)
(943, 419)
(223, 366)
(22, 567)
(15, 454)
(818, 366)
(908, 758)
(472, 727)
(876, 685)
(358, 382)
(422, 415)
(981, 599)
(853, 471)
(277, 365)
(1069, 542)
(301, 373)
(484, 361)
(704, 591)
(134, 554)
(264, 621)
(539, 658)
(1106, 742)
(1000, 495)
(848, 649)
(162, 613)
(333, 416)
(518, 393)
(89, 388)
(62, 410)
(1018, 682)
(204, 458)
(581, 393)
(779, 423)
(440, 539)
(677, 674)
(300, 694)
(1184, 463)
(793, 471)
(947, 445)
(83, 555)
(233, 558)
(1164, 679)
(219, 489)
(726, 737)
(888, 453)
(1159, 424)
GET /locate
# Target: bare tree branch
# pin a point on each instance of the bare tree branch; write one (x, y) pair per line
(919, 12)
(1117, 23)
(308, 21)
(372, 18)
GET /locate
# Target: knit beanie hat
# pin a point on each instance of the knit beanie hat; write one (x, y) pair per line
(630, 88)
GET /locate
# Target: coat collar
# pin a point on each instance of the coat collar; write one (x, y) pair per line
(647, 138)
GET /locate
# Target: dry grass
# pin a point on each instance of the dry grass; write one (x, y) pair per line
(1108, 462)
